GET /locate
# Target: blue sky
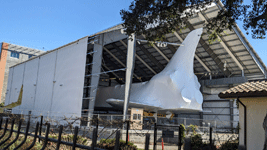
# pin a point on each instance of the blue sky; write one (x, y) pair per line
(50, 24)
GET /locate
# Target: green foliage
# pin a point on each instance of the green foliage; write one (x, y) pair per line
(191, 127)
(68, 138)
(2, 104)
(198, 144)
(229, 145)
(37, 145)
(109, 144)
(183, 132)
(28, 142)
(156, 18)
(196, 141)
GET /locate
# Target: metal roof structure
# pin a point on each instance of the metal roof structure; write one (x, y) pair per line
(230, 56)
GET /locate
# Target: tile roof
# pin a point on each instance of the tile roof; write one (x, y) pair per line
(255, 88)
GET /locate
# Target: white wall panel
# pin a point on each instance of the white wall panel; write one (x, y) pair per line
(69, 79)
(45, 84)
(8, 91)
(16, 85)
(29, 85)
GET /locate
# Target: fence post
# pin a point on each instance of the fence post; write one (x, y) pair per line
(29, 115)
(127, 131)
(215, 126)
(4, 129)
(46, 136)
(17, 136)
(40, 131)
(10, 133)
(35, 136)
(75, 138)
(94, 139)
(117, 144)
(1, 119)
(97, 127)
(59, 136)
(180, 138)
(210, 136)
(25, 136)
(155, 137)
(147, 141)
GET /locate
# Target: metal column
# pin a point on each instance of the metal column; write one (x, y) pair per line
(95, 74)
(129, 72)
(231, 104)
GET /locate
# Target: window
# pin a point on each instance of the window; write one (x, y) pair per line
(30, 56)
(14, 54)
(136, 116)
(139, 116)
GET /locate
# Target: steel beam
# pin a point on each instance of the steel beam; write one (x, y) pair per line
(112, 74)
(129, 73)
(140, 70)
(165, 57)
(119, 61)
(114, 66)
(215, 58)
(256, 60)
(138, 57)
(113, 36)
(231, 104)
(159, 51)
(245, 43)
(152, 58)
(225, 81)
(96, 68)
(225, 46)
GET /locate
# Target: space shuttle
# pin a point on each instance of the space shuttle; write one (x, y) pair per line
(175, 88)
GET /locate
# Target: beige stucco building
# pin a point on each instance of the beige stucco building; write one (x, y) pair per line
(252, 98)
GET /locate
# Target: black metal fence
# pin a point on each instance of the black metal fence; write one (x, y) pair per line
(157, 136)
(8, 130)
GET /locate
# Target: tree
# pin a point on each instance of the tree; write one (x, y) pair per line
(155, 18)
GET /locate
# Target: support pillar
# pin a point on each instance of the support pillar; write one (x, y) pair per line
(201, 118)
(96, 68)
(129, 73)
(231, 105)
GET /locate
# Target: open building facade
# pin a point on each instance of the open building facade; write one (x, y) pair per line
(67, 81)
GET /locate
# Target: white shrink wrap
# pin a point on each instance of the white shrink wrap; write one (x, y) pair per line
(175, 88)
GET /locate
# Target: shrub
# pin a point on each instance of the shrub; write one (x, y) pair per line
(198, 144)
(109, 144)
(229, 145)
(196, 141)
(183, 132)
(193, 128)
(68, 138)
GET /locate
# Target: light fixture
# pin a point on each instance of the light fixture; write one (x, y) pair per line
(224, 66)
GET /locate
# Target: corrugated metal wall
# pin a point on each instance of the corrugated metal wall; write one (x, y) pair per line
(29, 82)
(53, 83)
